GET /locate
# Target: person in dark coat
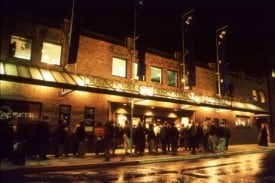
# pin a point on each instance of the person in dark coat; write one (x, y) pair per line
(263, 136)
(79, 136)
(108, 139)
(150, 138)
(43, 135)
(60, 138)
(164, 137)
(193, 137)
(140, 139)
(174, 139)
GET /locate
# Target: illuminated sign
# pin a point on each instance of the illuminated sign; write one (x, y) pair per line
(147, 91)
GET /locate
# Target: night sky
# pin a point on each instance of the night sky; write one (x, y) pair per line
(251, 25)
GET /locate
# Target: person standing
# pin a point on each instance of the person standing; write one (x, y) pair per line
(193, 137)
(43, 137)
(150, 138)
(127, 137)
(164, 137)
(140, 139)
(263, 136)
(157, 136)
(61, 137)
(221, 135)
(174, 139)
(108, 139)
(228, 135)
(79, 138)
(99, 138)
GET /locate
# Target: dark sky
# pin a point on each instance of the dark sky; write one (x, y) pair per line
(251, 24)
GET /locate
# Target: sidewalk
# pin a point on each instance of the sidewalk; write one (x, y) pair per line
(91, 161)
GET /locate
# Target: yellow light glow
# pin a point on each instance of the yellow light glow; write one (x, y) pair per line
(79, 81)
(35, 73)
(47, 75)
(2, 68)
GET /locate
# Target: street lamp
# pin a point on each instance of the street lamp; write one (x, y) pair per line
(186, 21)
(220, 36)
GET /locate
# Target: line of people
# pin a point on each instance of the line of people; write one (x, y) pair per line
(107, 137)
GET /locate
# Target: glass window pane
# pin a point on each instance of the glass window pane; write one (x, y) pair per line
(51, 53)
(262, 97)
(35, 73)
(68, 78)
(11, 70)
(79, 81)
(24, 71)
(47, 75)
(119, 67)
(20, 47)
(172, 78)
(254, 96)
(134, 71)
(58, 76)
(2, 68)
(156, 74)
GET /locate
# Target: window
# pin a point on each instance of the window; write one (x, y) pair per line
(89, 116)
(51, 53)
(254, 96)
(19, 110)
(20, 47)
(172, 78)
(243, 121)
(119, 67)
(262, 97)
(156, 75)
(134, 71)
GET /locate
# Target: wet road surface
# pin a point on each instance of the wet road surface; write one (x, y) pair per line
(258, 167)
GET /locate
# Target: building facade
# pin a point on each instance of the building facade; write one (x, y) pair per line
(37, 81)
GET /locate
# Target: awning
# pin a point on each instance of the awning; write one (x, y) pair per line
(60, 78)
(39, 74)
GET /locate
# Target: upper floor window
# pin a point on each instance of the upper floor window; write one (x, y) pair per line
(135, 71)
(119, 67)
(51, 53)
(254, 96)
(262, 97)
(20, 47)
(172, 78)
(156, 74)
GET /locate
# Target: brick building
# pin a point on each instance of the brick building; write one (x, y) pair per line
(36, 81)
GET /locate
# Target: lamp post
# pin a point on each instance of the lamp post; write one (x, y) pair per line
(186, 21)
(220, 35)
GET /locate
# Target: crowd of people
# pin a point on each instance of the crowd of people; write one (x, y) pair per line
(165, 137)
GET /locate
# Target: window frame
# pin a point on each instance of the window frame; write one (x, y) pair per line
(118, 73)
(19, 39)
(54, 44)
(176, 79)
(160, 77)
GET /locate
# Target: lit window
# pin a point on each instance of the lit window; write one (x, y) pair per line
(156, 74)
(119, 67)
(20, 47)
(262, 97)
(243, 121)
(135, 71)
(254, 96)
(172, 78)
(51, 53)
